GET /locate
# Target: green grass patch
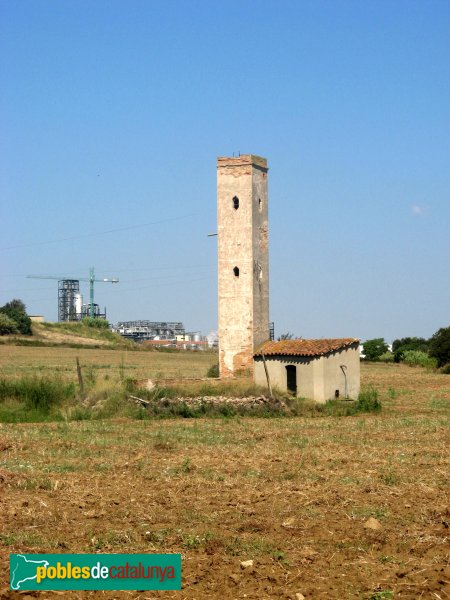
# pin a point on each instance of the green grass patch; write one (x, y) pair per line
(367, 402)
(36, 399)
(21, 539)
(382, 595)
(439, 403)
(36, 394)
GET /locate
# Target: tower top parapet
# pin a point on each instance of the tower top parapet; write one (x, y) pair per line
(242, 160)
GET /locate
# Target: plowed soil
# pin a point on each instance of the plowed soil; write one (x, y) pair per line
(353, 507)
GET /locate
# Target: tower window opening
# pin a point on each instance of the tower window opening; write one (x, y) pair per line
(236, 271)
(235, 202)
(260, 204)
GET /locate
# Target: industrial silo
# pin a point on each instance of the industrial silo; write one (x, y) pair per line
(68, 289)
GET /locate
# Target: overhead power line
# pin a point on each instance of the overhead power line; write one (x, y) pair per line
(94, 234)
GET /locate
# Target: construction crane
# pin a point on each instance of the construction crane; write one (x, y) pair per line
(91, 279)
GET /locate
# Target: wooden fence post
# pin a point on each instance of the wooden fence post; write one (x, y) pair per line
(80, 377)
(267, 375)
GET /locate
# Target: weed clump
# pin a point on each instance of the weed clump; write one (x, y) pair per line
(368, 400)
(35, 395)
(213, 371)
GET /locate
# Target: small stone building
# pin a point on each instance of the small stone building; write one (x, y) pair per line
(316, 369)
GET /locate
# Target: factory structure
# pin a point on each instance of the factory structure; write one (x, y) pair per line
(165, 334)
(71, 308)
(152, 333)
(70, 300)
(144, 331)
(70, 303)
(155, 333)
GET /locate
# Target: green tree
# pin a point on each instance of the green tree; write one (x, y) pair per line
(7, 325)
(440, 346)
(16, 311)
(373, 349)
(415, 343)
(400, 346)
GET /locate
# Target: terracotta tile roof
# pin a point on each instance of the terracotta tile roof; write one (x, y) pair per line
(304, 347)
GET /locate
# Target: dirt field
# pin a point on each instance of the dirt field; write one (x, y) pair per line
(294, 495)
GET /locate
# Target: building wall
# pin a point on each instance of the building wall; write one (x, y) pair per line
(242, 243)
(37, 318)
(333, 376)
(260, 256)
(317, 377)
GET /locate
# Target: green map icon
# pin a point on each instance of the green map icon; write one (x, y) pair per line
(23, 569)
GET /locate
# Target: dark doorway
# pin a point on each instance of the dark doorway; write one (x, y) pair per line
(291, 379)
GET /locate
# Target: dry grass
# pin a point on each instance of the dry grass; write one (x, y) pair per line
(292, 494)
(17, 361)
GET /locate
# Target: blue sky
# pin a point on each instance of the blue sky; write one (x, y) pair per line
(112, 115)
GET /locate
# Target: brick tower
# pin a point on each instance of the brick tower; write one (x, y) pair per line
(243, 249)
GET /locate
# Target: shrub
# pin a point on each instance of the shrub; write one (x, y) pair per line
(213, 371)
(95, 322)
(446, 369)
(16, 311)
(7, 325)
(386, 357)
(418, 358)
(368, 400)
(399, 347)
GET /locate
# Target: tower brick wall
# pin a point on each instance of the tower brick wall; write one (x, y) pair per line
(243, 269)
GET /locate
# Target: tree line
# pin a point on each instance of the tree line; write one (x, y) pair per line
(412, 350)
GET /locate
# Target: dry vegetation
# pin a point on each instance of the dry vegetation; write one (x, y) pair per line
(292, 494)
(70, 334)
(17, 361)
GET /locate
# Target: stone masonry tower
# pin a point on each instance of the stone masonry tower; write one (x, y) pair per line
(243, 250)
